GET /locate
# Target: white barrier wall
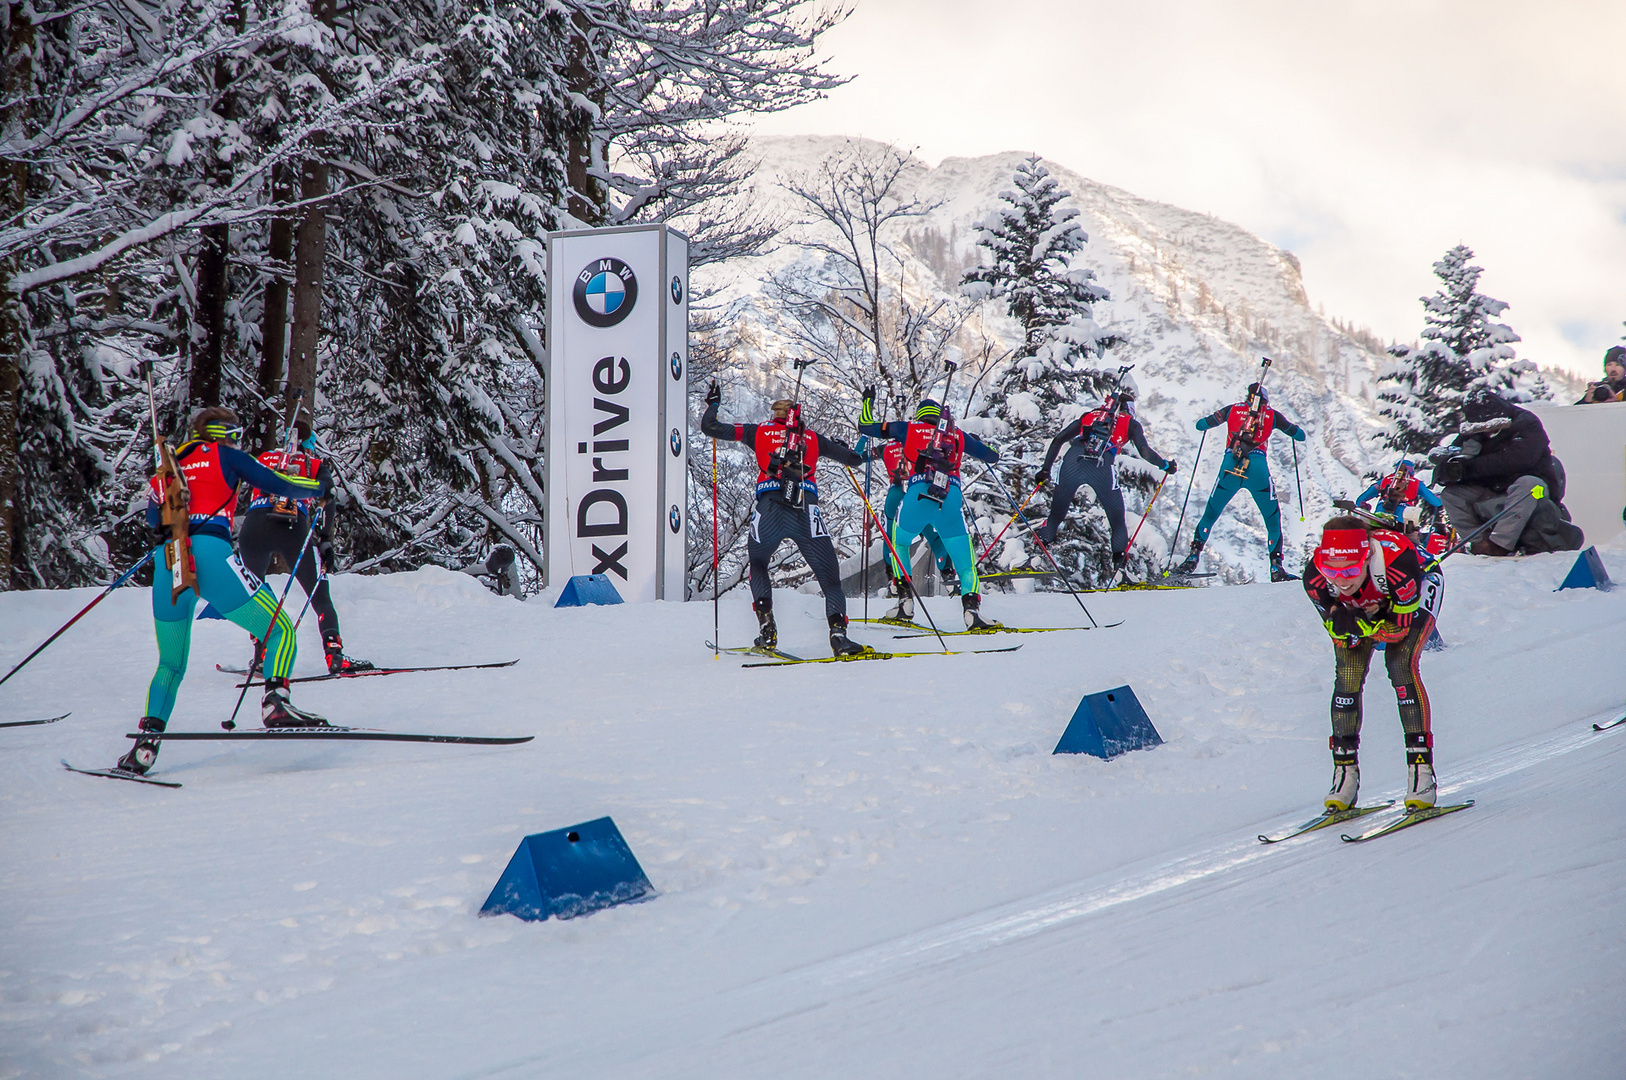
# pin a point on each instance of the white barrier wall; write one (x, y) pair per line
(1591, 442)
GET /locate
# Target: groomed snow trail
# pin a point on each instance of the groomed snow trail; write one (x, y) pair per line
(870, 869)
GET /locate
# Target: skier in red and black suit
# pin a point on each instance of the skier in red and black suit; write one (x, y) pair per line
(787, 453)
(1371, 585)
(1096, 438)
(277, 525)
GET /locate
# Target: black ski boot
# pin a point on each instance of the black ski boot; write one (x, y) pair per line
(950, 576)
(1190, 565)
(970, 603)
(337, 662)
(768, 639)
(840, 643)
(277, 712)
(1278, 572)
(144, 752)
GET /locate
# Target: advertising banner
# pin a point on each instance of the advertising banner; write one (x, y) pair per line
(617, 407)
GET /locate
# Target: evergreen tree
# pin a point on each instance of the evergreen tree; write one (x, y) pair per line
(1033, 240)
(1464, 348)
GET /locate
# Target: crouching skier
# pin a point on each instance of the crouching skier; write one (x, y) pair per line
(1370, 586)
(787, 453)
(213, 467)
(933, 449)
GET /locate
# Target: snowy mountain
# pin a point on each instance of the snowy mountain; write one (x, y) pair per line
(872, 870)
(1196, 302)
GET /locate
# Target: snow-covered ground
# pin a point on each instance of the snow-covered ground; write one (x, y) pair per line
(874, 869)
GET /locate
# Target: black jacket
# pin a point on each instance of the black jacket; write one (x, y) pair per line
(1518, 448)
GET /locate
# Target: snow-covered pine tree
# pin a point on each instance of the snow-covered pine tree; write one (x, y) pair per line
(1033, 240)
(1464, 348)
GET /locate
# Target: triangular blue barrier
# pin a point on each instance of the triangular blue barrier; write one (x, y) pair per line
(1108, 724)
(1587, 573)
(568, 872)
(209, 612)
(584, 589)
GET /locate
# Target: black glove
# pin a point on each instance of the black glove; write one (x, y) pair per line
(1041, 481)
(1171, 466)
(324, 548)
(157, 535)
(714, 393)
(869, 393)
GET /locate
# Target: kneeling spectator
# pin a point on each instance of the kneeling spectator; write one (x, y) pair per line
(1500, 457)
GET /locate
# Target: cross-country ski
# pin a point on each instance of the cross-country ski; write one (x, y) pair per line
(1407, 820)
(1326, 818)
(34, 723)
(121, 774)
(228, 669)
(330, 733)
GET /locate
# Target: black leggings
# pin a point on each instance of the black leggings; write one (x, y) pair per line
(1078, 469)
(775, 522)
(1401, 659)
(264, 534)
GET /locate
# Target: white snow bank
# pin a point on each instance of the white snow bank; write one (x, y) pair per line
(874, 869)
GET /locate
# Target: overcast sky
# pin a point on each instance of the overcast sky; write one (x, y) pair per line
(1367, 138)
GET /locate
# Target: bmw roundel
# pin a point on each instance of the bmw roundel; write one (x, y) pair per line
(677, 442)
(605, 292)
(677, 289)
(675, 519)
(677, 366)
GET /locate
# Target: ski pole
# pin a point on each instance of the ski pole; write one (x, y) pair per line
(1145, 512)
(1296, 479)
(864, 576)
(1538, 492)
(1053, 564)
(1189, 485)
(903, 568)
(122, 578)
(716, 634)
(259, 654)
(1008, 524)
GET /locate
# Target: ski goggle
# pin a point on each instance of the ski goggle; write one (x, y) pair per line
(224, 432)
(1341, 573)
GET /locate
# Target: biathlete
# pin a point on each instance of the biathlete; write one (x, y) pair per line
(933, 449)
(787, 453)
(213, 467)
(891, 457)
(275, 524)
(1249, 425)
(1370, 586)
(1402, 496)
(1095, 438)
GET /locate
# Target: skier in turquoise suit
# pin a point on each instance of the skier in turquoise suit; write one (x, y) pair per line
(1249, 425)
(933, 449)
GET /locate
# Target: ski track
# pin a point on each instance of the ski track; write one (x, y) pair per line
(865, 869)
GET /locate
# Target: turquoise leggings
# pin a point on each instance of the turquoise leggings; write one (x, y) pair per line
(889, 510)
(916, 514)
(236, 594)
(1257, 484)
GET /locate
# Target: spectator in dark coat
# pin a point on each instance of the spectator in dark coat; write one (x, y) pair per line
(1499, 458)
(1613, 387)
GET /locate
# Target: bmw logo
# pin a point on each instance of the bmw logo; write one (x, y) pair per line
(677, 289)
(677, 366)
(675, 519)
(677, 442)
(605, 292)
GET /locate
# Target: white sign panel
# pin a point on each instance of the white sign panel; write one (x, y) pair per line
(617, 387)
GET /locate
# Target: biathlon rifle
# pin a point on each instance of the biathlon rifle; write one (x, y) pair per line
(1247, 438)
(177, 504)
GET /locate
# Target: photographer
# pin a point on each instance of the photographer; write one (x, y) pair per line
(1499, 459)
(1613, 386)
